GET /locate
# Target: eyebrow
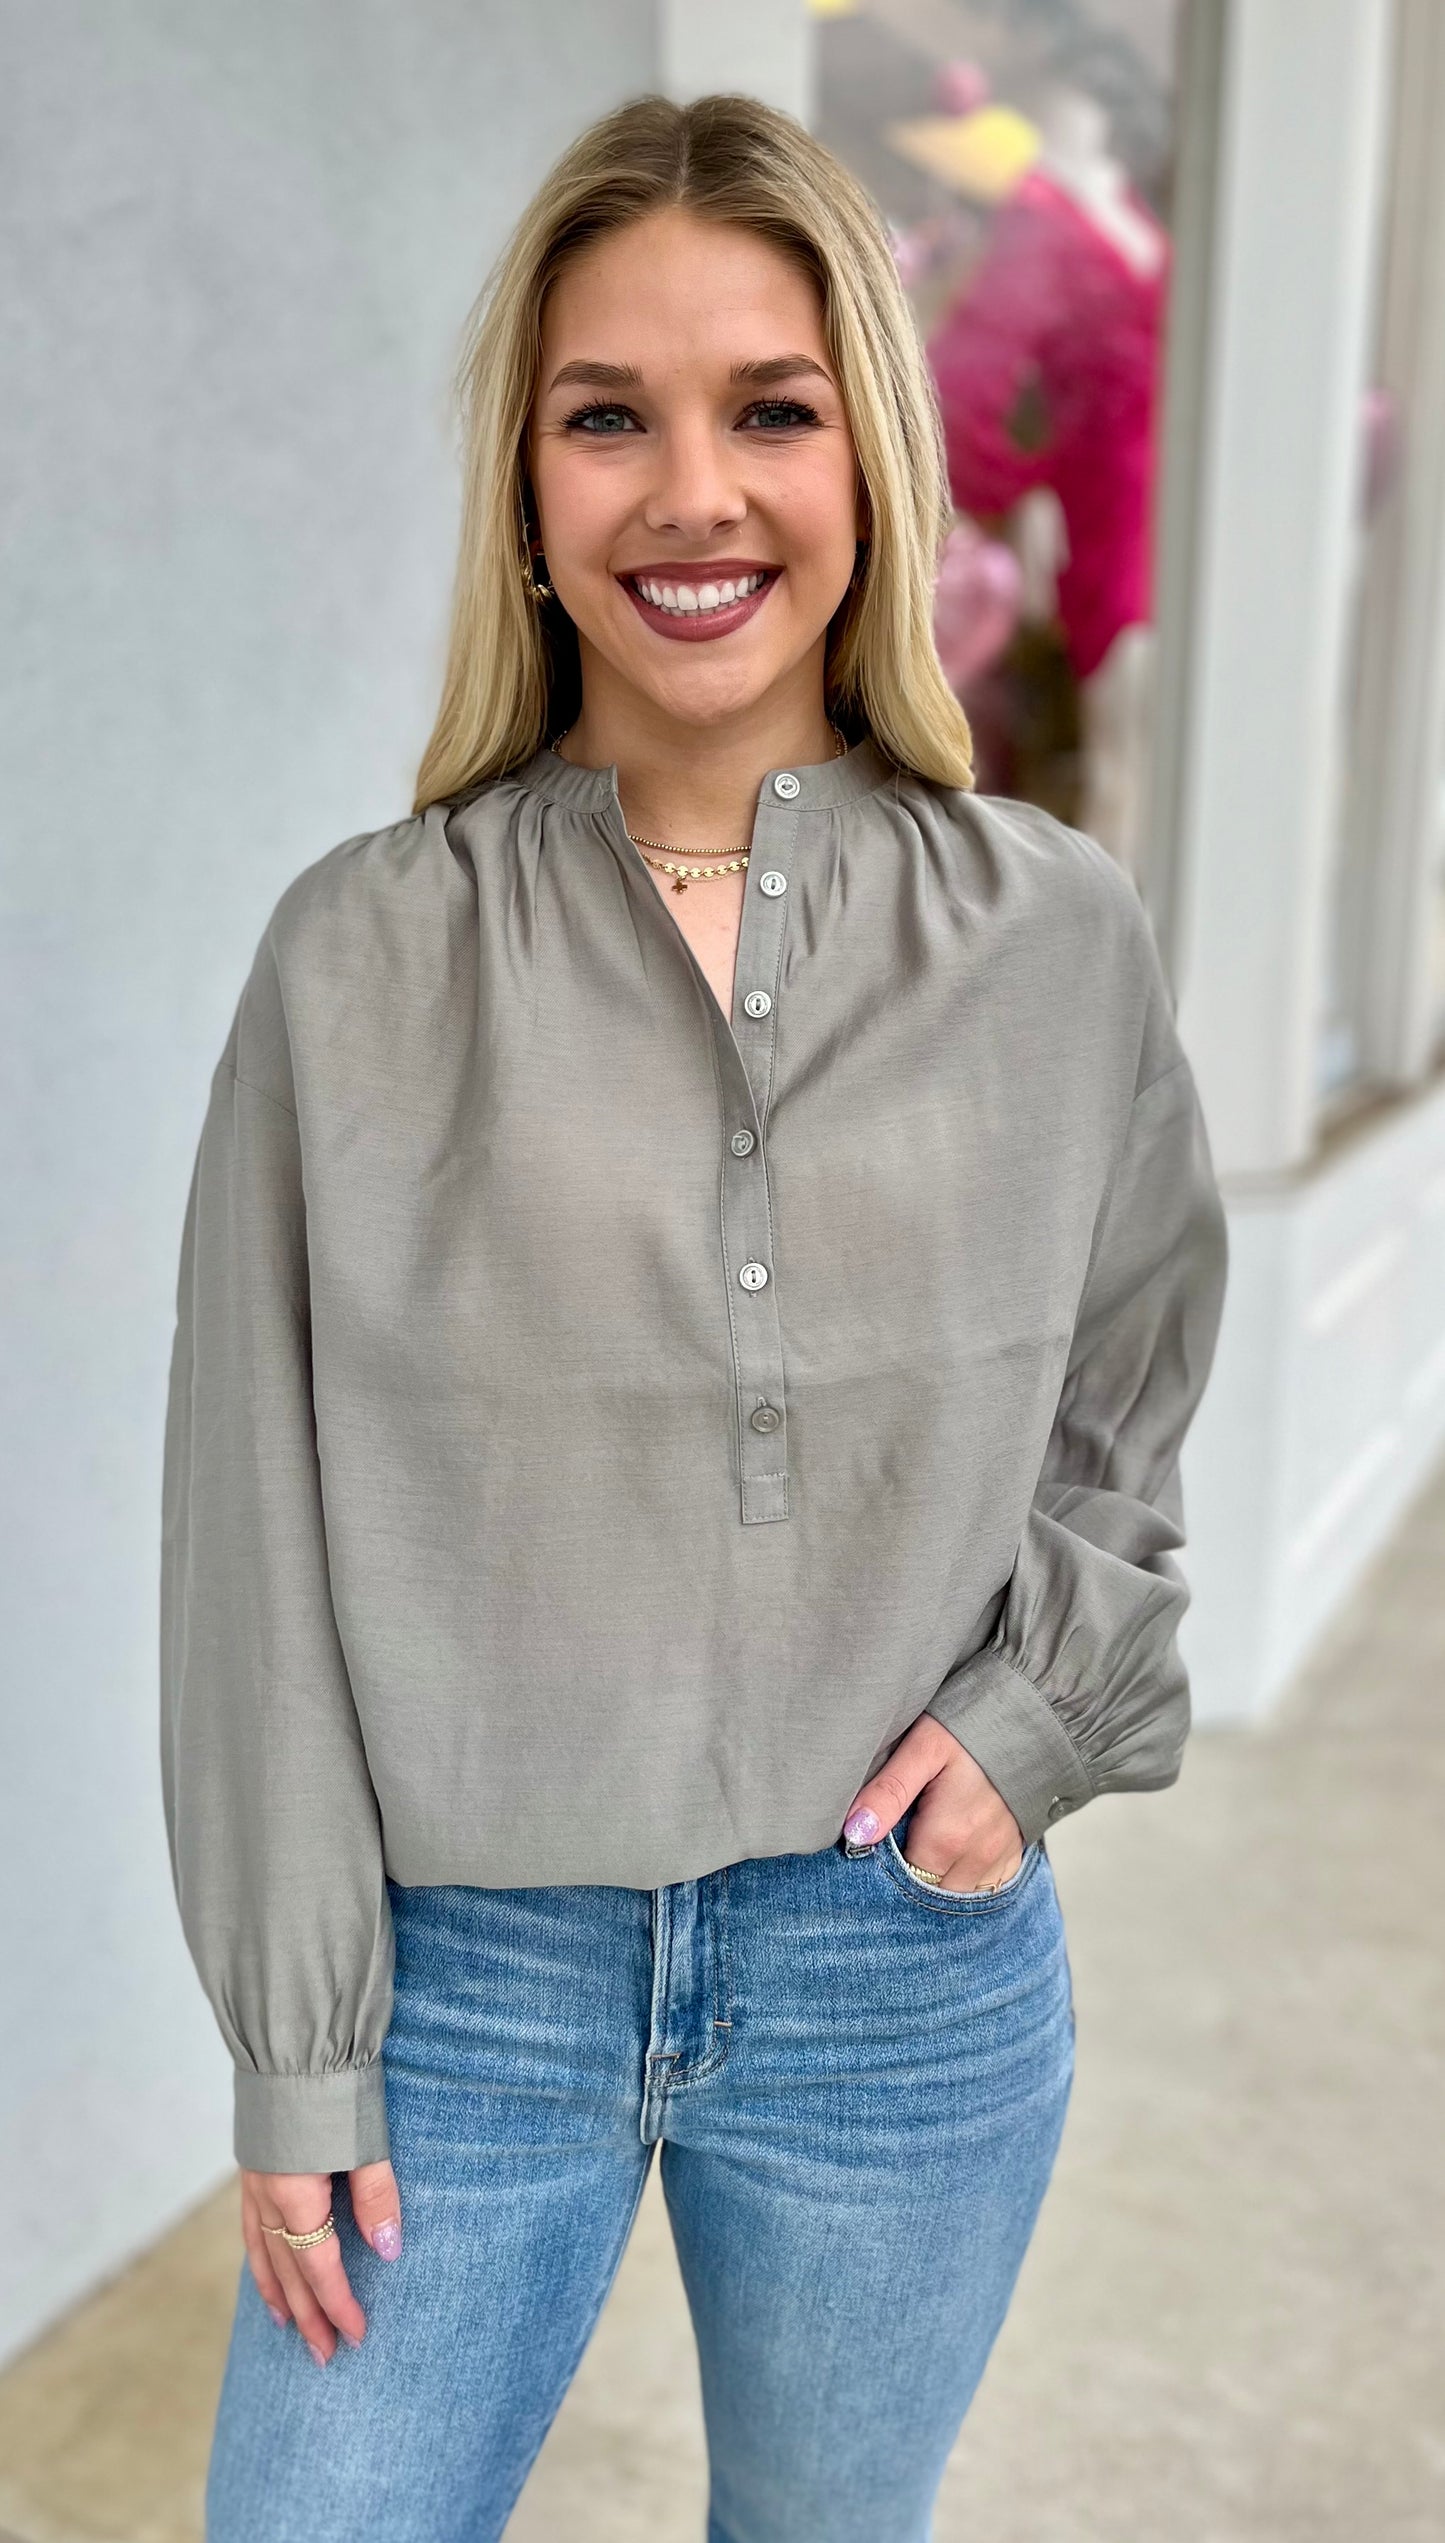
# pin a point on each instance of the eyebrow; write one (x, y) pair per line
(625, 375)
(779, 366)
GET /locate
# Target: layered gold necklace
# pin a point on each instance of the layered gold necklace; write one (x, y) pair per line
(712, 861)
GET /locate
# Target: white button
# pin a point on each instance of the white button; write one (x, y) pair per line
(772, 882)
(1057, 1806)
(757, 1002)
(742, 1143)
(787, 785)
(754, 1275)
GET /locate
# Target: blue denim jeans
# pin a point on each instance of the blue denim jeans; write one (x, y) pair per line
(858, 2085)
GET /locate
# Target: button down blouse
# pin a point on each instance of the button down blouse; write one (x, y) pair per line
(599, 1426)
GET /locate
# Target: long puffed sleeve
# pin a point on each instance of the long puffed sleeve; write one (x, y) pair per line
(273, 1823)
(1082, 1689)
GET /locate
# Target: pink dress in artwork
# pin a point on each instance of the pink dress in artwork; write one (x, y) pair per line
(1048, 370)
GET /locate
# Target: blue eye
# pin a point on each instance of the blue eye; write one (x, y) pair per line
(782, 414)
(598, 420)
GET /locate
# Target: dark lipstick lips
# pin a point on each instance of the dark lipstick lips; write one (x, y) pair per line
(699, 626)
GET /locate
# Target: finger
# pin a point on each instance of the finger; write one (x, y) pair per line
(301, 2202)
(887, 1794)
(258, 2253)
(376, 2206)
(324, 2271)
(307, 2314)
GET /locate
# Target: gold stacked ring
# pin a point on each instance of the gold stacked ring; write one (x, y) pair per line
(303, 2242)
(985, 1889)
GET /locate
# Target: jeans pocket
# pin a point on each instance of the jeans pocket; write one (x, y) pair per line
(953, 1902)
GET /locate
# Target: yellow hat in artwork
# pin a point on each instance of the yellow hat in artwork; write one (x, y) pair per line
(982, 155)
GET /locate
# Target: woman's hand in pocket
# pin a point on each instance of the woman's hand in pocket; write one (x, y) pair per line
(961, 1826)
(310, 2288)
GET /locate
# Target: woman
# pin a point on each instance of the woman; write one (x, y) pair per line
(671, 1469)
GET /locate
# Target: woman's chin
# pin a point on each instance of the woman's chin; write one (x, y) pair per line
(707, 694)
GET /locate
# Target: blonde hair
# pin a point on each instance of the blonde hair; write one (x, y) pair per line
(512, 678)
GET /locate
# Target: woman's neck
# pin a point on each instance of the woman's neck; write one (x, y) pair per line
(696, 785)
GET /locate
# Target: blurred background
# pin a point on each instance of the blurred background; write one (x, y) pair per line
(1180, 268)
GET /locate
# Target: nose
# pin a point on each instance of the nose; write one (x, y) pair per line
(697, 489)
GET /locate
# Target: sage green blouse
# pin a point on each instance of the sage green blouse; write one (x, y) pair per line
(599, 1426)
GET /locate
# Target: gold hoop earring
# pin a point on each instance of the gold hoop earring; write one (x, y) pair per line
(536, 591)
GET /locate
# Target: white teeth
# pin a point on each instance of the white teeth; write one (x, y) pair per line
(689, 600)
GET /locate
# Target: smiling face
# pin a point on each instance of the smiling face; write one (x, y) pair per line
(693, 471)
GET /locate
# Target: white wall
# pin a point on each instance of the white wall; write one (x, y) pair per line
(1299, 169)
(1325, 1411)
(762, 46)
(242, 243)
(1326, 1408)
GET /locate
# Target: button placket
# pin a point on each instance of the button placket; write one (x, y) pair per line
(747, 1207)
(745, 1047)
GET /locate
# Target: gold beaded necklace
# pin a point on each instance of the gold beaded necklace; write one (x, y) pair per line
(733, 860)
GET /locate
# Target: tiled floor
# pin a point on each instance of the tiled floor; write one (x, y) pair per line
(1231, 2324)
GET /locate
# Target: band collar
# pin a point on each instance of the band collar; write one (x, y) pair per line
(861, 771)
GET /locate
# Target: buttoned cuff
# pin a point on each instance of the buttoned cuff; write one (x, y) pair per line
(311, 2123)
(1011, 1730)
